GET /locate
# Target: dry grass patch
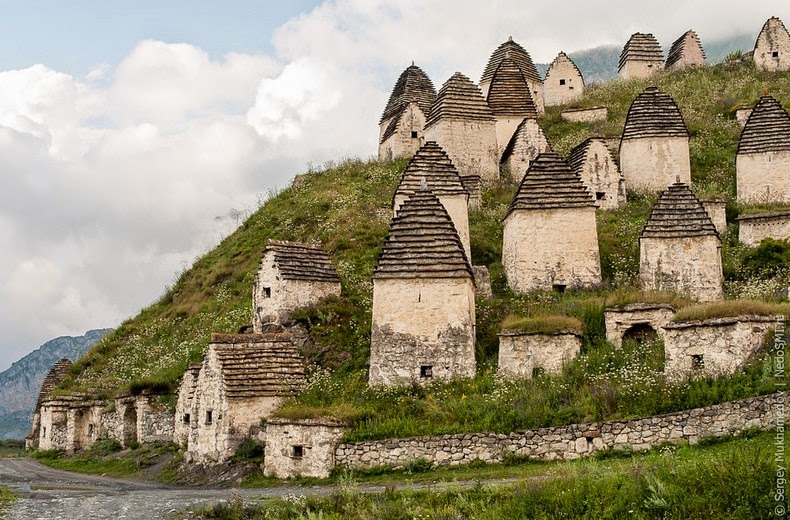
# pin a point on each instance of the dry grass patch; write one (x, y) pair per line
(622, 298)
(542, 324)
(729, 308)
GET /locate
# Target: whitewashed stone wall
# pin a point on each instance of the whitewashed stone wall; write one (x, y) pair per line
(53, 433)
(772, 48)
(563, 83)
(521, 354)
(713, 347)
(457, 207)
(566, 442)
(585, 115)
(505, 128)
(301, 447)
(686, 265)
(482, 281)
(763, 178)
(752, 229)
(186, 411)
(621, 320)
(539, 252)
(421, 322)
(652, 164)
(742, 114)
(600, 173)
(407, 139)
(284, 295)
(530, 142)
(471, 145)
(640, 69)
(717, 211)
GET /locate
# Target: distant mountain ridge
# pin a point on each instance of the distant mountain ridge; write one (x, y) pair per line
(20, 384)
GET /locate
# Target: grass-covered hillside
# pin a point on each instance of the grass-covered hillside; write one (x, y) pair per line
(346, 207)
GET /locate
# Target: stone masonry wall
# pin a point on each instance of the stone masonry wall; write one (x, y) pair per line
(572, 87)
(620, 320)
(530, 142)
(585, 115)
(401, 143)
(684, 265)
(763, 178)
(521, 354)
(600, 173)
(773, 39)
(754, 228)
(457, 207)
(565, 442)
(471, 146)
(717, 211)
(640, 69)
(300, 447)
(652, 164)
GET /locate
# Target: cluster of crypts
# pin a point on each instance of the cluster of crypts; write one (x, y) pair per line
(424, 285)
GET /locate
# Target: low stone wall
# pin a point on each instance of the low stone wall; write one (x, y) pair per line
(753, 229)
(521, 354)
(300, 447)
(565, 442)
(585, 115)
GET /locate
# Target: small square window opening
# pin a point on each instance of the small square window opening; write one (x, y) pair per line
(426, 371)
(297, 452)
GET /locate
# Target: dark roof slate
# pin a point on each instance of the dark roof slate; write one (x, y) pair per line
(433, 164)
(551, 183)
(677, 51)
(459, 99)
(654, 114)
(678, 213)
(767, 129)
(578, 155)
(56, 374)
(641, 47)
(518, 54)
(412, 85)
(298, 261)
(509, 94)
(422, 242)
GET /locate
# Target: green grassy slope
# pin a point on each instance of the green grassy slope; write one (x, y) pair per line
(346, 208)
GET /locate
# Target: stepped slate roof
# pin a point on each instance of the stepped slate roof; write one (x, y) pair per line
(578, 155)
(422, 242)
(563, 57)
(56, 374)
(413, 85)
(459, 99)
(641, 47)
(259, 365)
(767, 129)
(654, 114)
(778, 25)
(678, 213)
(297, 261)
(509, 94)
(676, 52)
(518, 54)
(551, 183)
(433, 164)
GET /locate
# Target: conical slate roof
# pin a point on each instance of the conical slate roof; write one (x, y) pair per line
(678, 213)
(412, 85)
(422, 243)
(297, 261)
(432, 164)
(56, 374)
(767, 129)
(641, 47)
(551, 183)
(509, 93)
(459, 98)
(518, 54)
(654, 114)
(676, 52)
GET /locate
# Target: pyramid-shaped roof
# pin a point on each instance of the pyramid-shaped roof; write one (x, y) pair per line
(258, 365)
(297, 261)
(677, 51)
(654, 114)
(432, 164)
(771, 23)
(518, 54)
(459, 99)
(509, 94)
(422, 242)
(578, 155)
(56, 374)
(641, 47)
(511, 145)
(559, 59)
(551, 183)
(767, 129)
(413, 85)
(678, 213)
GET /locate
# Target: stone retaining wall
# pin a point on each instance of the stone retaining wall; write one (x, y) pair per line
(566, 442)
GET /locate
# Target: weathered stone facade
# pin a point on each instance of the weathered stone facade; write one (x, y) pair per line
(527, 143)
(593, 162)
(641, 57)
(679, 248)
(473, 186)
(566, 442)
(538, 252)
(564, 82)
(244, 377)
(622, 322)
(185, 405)
(56, 374)
(654, 150)
(423, 299)
(528, 354)
(291, 275)
(713, 347)
(463, 125)
(762, 165)
(482, 281)
(686, 51)
(717, 211)
(522, 58)
(752, 229)
(742, 114)
(509, 100)
(303, 447)
(585, 115)
(401, 128)
(772, 48)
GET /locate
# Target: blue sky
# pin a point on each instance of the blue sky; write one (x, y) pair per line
(73, 36)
